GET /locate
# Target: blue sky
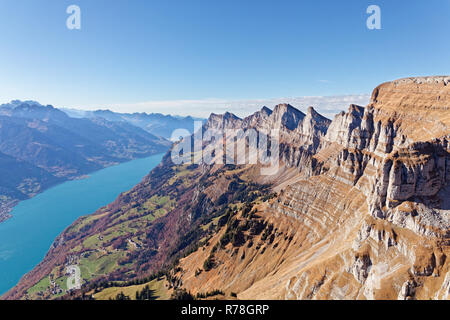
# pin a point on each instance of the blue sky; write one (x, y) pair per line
(140, 55)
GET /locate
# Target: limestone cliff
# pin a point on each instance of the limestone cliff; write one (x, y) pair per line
(372, 221)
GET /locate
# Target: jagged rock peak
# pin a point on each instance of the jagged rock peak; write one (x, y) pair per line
(311, 128)
(226, 116)
(312, 113)
(314, 123)
(356, 110)
(260, 119)
(266, 111)
(286, 107)
(287, 116)
(229, 115)
(223, 121)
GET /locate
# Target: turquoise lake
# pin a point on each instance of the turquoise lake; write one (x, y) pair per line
(27, 236)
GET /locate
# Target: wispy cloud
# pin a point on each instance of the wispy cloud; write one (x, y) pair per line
(326, 105)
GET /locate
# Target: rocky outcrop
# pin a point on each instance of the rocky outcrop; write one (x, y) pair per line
(383, 157)
(407, 291)
(223, 122)
(361, 267)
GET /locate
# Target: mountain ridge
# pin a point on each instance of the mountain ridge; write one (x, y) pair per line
(154, 123)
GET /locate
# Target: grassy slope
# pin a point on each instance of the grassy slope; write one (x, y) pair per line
(112, 240)
(103, 241)
(159, 286)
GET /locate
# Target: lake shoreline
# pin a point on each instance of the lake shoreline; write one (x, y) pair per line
(8, 207)
(37, 222)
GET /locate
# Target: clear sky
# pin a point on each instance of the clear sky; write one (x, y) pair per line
(141, 54)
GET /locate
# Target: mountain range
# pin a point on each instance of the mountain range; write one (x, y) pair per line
(154, 123)
(41, 146)
(358, 209)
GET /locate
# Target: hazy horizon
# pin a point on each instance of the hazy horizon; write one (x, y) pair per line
(328, 106)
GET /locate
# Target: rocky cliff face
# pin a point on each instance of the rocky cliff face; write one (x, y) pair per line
(384, 157)
(372, 221)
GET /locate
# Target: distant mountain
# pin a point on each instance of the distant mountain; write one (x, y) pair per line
(155, 123)
(41, 146)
